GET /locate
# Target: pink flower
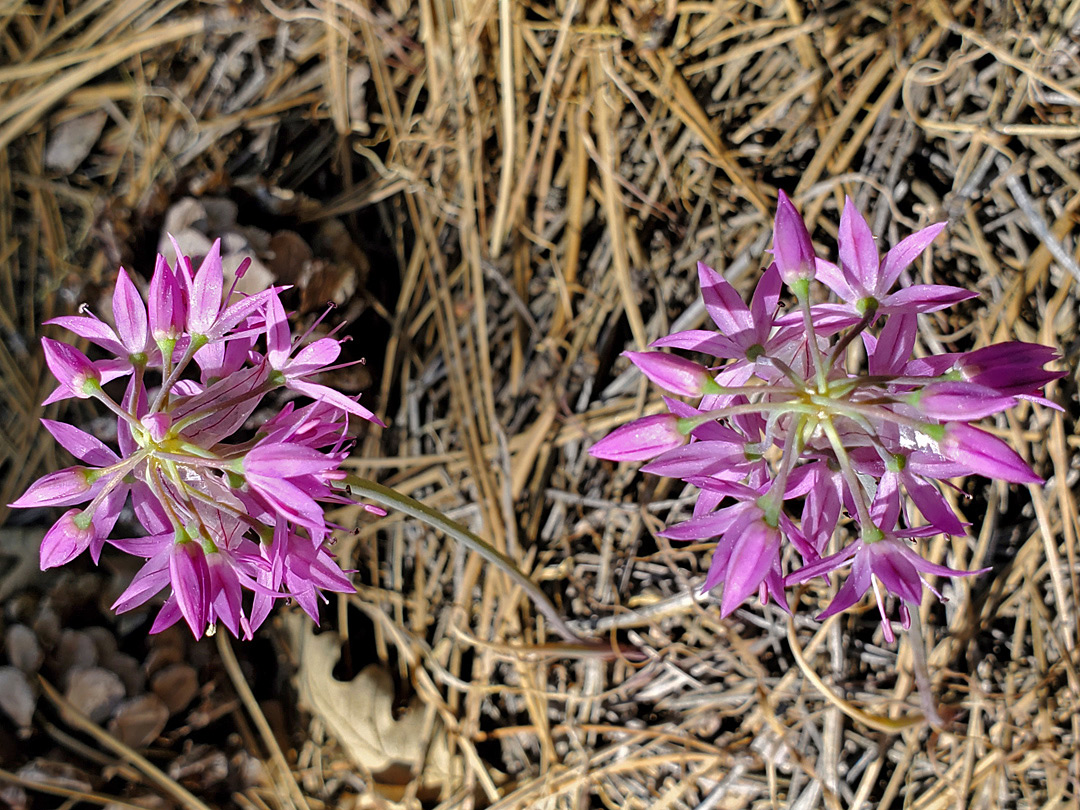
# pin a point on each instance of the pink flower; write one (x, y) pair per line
(863, 281)
(789, 416)
(208, 500)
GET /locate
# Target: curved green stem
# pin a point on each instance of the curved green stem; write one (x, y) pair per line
(384, 496)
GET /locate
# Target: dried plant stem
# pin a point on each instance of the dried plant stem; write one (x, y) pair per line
(80, 721)
(922, 671)
(247, 697)
(888, 725)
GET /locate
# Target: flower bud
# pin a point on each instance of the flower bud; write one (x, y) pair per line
(641, 439)
(792, 248)
(984, 454)
(61, 488)
(675, 374)
(66, 540)
(959, 401)
(1010, 368)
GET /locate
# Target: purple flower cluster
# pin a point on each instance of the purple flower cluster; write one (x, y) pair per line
(789, 415)
(220, 517)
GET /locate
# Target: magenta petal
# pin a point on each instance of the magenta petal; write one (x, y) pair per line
(894, 344)
(722, 302)
(290, 502)
(169, 615)
(855, 585)
(190, 582)
(65, 487)
(225, 593)
(824, 566)
(81, 444)
(701, 458)
(129, 311)
(278, 334)
(333, 397)
(285, 460)
(985, 454)
(97, 332)
(932, 505)
(1011, 368)
(885, 510)
(896, 573)
(717, 567)
(961, 401)
(150, 580)
(71, 367)
(314, 356)
(926, 298)
(765, 300)
(859, 258)
(166, 311)
(904, 254)
(701, 340)
(792, 248)
(833, 277)
(752, 555)
(242, 311)
(206, 292)
(713, 524)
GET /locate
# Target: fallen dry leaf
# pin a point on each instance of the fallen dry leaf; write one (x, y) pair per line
(360, 713)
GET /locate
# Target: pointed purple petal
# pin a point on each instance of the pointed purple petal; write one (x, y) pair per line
(190, 578)
(904, 254)
(792, 248)
(206, 292)
(753, 554)
(925, 298)
(129, 311)
(859, 258)
(81, 444)
(64, 541)
(97, 332)
(722, 302)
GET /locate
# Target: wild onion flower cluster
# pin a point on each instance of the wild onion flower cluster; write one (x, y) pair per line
(221, 515)
(790, 422)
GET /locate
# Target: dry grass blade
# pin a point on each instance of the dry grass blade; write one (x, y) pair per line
(154, 774)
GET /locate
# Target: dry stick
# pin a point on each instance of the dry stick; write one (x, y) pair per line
(612, 202)
(1038, 224)
(921, 670)
(509, 125)
(839, 128)
(232, 666)
(876, 722)
(335, 85)
(24, 113)
(69, 793)
(501, 227)
(80, 721)
(671, 88)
